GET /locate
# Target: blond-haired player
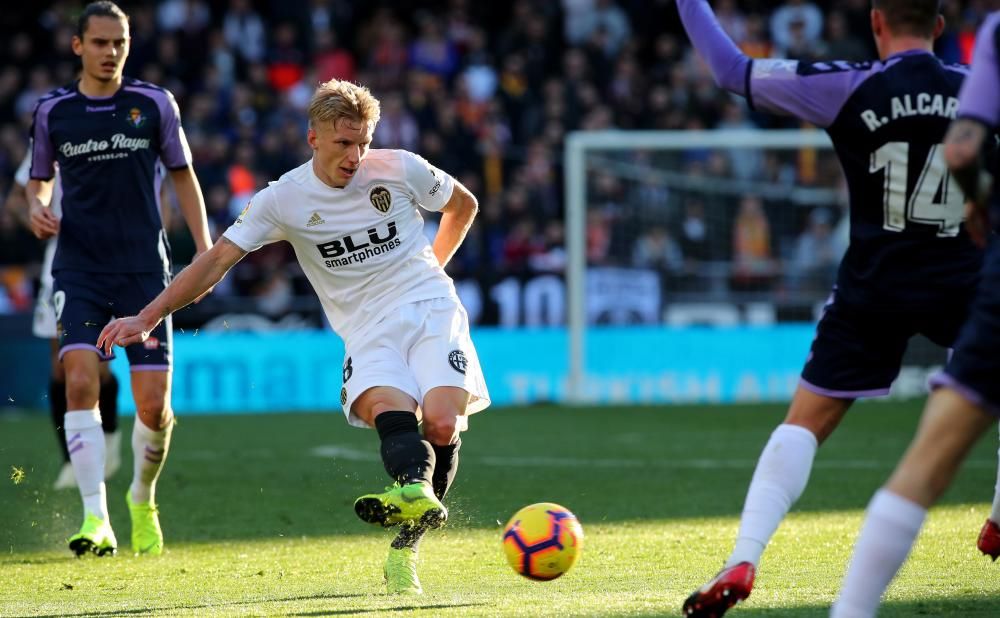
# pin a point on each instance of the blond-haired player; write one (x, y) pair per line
(351, 215)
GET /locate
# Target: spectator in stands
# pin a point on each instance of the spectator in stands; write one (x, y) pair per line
(657, 249)
(397, 128)
(814, 263)
(244, 31)
(840, 43)
(753, 263)
(432, 52)
(796, 23)
(694, 239)
(332, 61)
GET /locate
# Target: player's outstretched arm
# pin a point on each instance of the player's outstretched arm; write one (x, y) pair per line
(204, 272)
(814, 92)
(456, 219)
(42, 222)
(729, 65)
(192, 205)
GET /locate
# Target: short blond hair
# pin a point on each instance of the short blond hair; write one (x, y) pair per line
(337, 100)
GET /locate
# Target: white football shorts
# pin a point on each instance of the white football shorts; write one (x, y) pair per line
(415, 348)
(43, 324)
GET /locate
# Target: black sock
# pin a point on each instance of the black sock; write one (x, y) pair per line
(445, 467)
(57, 410)
(109, 404)
(407, 458)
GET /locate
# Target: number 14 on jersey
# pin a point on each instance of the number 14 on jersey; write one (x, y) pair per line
(933, 200)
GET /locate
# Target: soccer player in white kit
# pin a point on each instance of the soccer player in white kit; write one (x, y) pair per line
(350, 214)
(45, 326)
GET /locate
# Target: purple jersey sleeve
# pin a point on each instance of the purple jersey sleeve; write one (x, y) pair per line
(43, 156)
(728, 64)
(980, 95)
(814, 92)
(174, 150)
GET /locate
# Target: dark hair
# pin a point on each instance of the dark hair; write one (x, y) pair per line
(913, 17)
(101, 8)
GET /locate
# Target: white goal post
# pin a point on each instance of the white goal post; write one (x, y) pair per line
(577, 146)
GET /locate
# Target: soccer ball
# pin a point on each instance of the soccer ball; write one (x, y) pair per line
(542, 541)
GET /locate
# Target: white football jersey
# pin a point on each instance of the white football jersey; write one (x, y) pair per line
(362, 247)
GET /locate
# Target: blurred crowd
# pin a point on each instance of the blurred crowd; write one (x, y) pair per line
(487, 91)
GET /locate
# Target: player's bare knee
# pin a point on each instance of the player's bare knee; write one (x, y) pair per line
(377, 400)
(154, 410)
(82, 390)
(441, 427)
(819, 414)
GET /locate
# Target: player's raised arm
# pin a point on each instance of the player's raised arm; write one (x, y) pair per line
(456, 219)
(814, 92)
(729, 65)
(207, 269)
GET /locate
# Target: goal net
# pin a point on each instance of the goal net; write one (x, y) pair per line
(687, 233)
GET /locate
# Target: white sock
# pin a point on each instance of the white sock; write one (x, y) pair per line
(781, 474)
(995, 511)
(85, 441)
(150, 451)
(891, 526)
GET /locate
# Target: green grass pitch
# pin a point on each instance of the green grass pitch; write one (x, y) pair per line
(258, 520)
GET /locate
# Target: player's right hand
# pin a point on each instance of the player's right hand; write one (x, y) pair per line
(123, 332)
(43, 223)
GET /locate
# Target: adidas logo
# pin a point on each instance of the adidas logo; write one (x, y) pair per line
(315, 219)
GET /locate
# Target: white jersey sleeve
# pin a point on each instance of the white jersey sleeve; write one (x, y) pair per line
(23, 173)
(258, 224)
(431, 188)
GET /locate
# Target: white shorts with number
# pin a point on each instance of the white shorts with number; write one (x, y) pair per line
(44, 323)
(417, 347)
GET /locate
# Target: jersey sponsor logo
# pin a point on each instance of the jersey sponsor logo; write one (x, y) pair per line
(837, 66)
(437, 184)
(151, 344)
(458, 362)
(380, 198)
(135, 118)
(99, 148)
(315, 219)
(355, 249)
(100, 108)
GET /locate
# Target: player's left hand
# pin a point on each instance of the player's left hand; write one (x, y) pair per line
(124, 332)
